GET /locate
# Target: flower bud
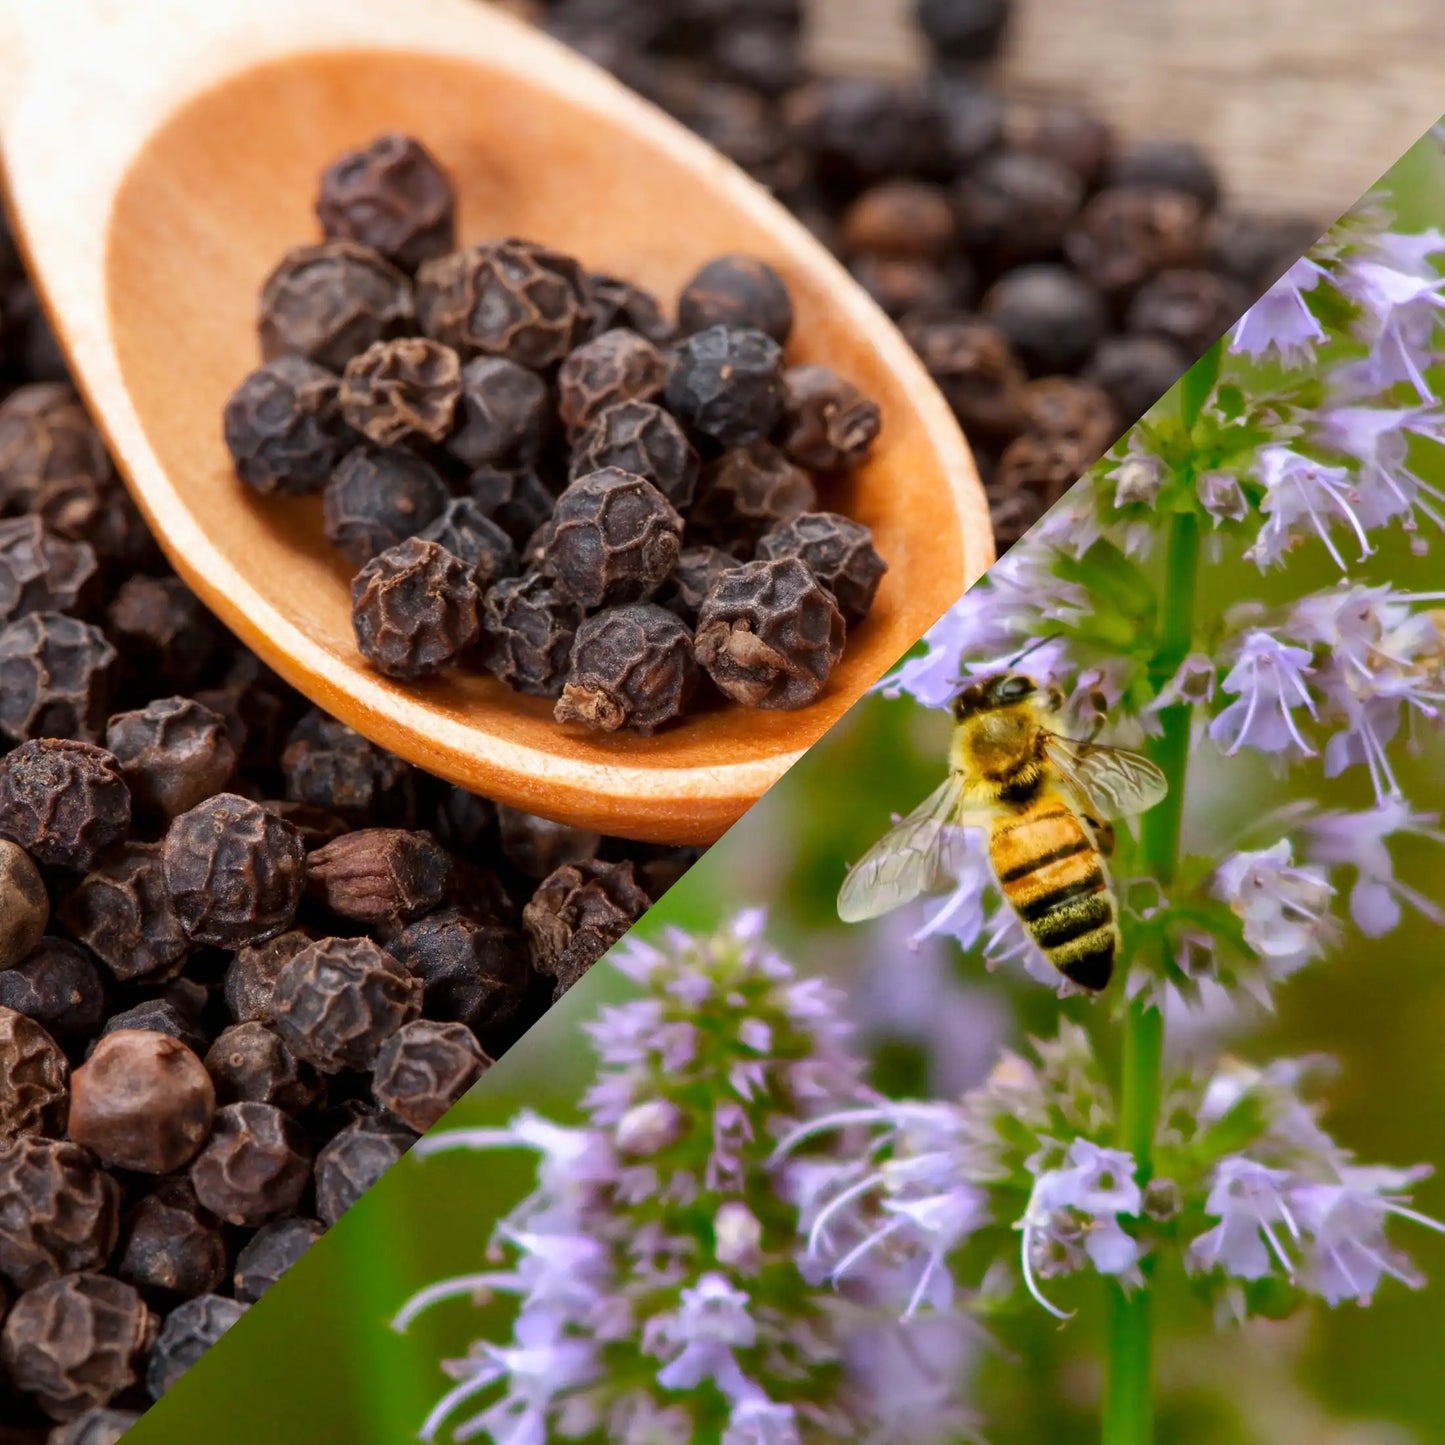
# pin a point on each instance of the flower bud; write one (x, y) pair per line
(649, 1128)
(739, 1236)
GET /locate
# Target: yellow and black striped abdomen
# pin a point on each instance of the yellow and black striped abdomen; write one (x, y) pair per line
(1052, 876)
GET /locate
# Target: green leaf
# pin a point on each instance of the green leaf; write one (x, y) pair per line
(1199, 381)
(1112, 578)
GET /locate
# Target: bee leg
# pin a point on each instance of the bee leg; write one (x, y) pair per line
(1103, 835)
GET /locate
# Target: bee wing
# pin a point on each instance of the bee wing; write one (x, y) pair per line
(910, 860)
(1114, 782)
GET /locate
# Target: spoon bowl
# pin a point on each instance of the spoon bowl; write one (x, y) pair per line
(161, 157)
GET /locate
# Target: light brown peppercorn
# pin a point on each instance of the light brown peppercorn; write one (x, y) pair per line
(174, 753)
(769, 634)
(329, 302)
(56, 675)
(172, 1243)
(402, 390)
(424, 1068)
(340, 999)
(76, 1342)
(905, 219)
(380, 875)
(528, 625)
(828, 424)
(506, 298)
(34, 1078)
(284, 428)
(632, 667)
(254, 1167)
(414, 609)
(740, 291)
(838, 551)
(59, 1211)
(235, 872)
(746, 492)
(354, 1160)
(142, 1101)
(577, 914)
(64, 802)
(41, 571)
(615, 367)
(250, 1063)
(641, 438)
(615, 539)
(24, 905)
(122, 912)
(390, 195)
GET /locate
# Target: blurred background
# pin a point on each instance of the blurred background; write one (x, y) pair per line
(1295, 108)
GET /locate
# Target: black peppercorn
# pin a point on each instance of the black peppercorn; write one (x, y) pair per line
(465, 530)
(97, 1426)
(577, 914)
(643, 439)
(380, 875)
(59, 1211)
(234, 871)
(255, 1166)
(473, 970)
(377, 497)
(176, 1018)
(964, 30)
(726, 383)
(1167, 163)
(414, 609)
(1016, 205)
(250, 982)
(41, 571)
(173, 754)
(24, 903)
(164, 630)
(1189, 307)
(122, 911)
(390, 195)
(1034, 472)
(502, 414)
(1065, 408)
(188, 1332)
(515, 498)
(331, 766)
(56, 675)
(769, 634)
(329, 302)
(1051, 317)
(839, 553)
(976, 371)
(740, 291)
(1256, 249)
(58, 985)
(251, 1064)
(538, 846)
(614, 302)
(614, 367)
(48, 445)
(692, 579)
(632, 667)
(1125, 235)
(828, 424)
(354, 1160)
(172, 1244)
(401, 391)
(284, 428)
(1136, 371)
(34, 1078)
(424, 1068)
(902, 220)
(270, 1252)
(615, 539)
(911, 289)
(746, 492)
(1069, 133)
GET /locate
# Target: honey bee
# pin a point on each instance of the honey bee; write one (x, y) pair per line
(1046, 801)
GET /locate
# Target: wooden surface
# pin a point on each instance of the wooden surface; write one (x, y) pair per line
(1304, 102)
(162, 157)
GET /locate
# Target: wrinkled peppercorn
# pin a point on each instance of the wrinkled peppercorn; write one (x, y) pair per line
(329, 302)
(528, 626)
(828, 424)
(577, 914)
(58, 985)
(746, 492)
(502, 413)
(1136, 371)
(977, 372)
(1016, 205)
(164, 629)
(726, 383)
(284, 428)
(56, 677)
(41, 571)
(614, 302)
(640, 438)
(339, 999)
(122, 912)
(24, 903)
(250, 982)
(97, 1426)
(632, 667)
(769, 634)
(254, 1167)
(76, 1342)
(515, 498)
(404, 390)
(188, 1332)
(473, 970)
(380, 875)
(615, 367)
(270, 1252)
(47, 446)
(414, 609)
(142, 1101)
(250, 1063)
(354, 1160)
(390, 195)
(508, 298)
(34, 1078)
(1125, 235)
(739, 291)
(172, 1244)
(1051, 317)
(59, 1211)
(331, 766)
(424, 1068)
(465, 530)
(692, 579)
(173, 754)
(64, 802)
(377, 497)
(175, 1019)
(1190, 307)
(838, 552)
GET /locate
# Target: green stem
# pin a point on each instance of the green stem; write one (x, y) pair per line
(1129, 1403)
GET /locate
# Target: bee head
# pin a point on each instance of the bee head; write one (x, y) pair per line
(1002, 689)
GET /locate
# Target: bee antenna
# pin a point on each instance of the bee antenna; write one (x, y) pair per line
(1034, 646)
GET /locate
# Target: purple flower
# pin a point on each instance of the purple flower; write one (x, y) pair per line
(711, 1323)
(1281, 320)
(1401, 310)
(1248, 1199)
(1284, 908)
(1303, 494)
(1222, 497)
(1269, 680)
(1358, 840)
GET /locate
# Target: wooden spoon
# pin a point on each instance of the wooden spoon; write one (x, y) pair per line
(161, 155)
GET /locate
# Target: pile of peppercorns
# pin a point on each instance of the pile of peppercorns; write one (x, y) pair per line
(245, 955)
(1054, 284)
(539, 476)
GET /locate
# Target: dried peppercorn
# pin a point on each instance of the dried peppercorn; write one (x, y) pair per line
(1257, 249)
(390, 195)
(473, 970)
(977, 372)
(1192, 308)
(404, 390)
(64, 802)
(1126, 234)
(828, 424)
(24, 903)
(615, 539)
(58, 985)
(339, 999)
(538, 846)
(614, 367)
(235, 871)
(41, 571)
(56, 675)
(1016, 205)
(463, 818)
(122, 911)
(354, 1160)
(172, 1243)
(329, 302)
(377, 497)
(739, 291)
(465, 530)
(911, 289)
(769, 634)
(168, 1016)
(380, 875)
(964, 30)
(331, 766)
(142, 1101)
(838, 552)
(165, 631)
(34, 1078)
(59, 1211)
(254, 1167)
(187, 1333)
(692, 579)
(1069, 133)
(632, 667)
(97, 1426)
(250, 1063)
(424, 1068)
(726, 383)
(1051, 317)
(173, 753)
(47, 444)
(903, 220)
(1060, 406)
(746, 492)
(314, 826)
(250, 982)
(1136, 371)
(270, 1252)
(76, 1342)
(1033, 473)
(641, 438)
(577, 914)
(515, 498)
(414, 609)
(1166, 163)
(507, 298)
(502, 415)
(612, 302)
(528, 625)
(284, 428)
